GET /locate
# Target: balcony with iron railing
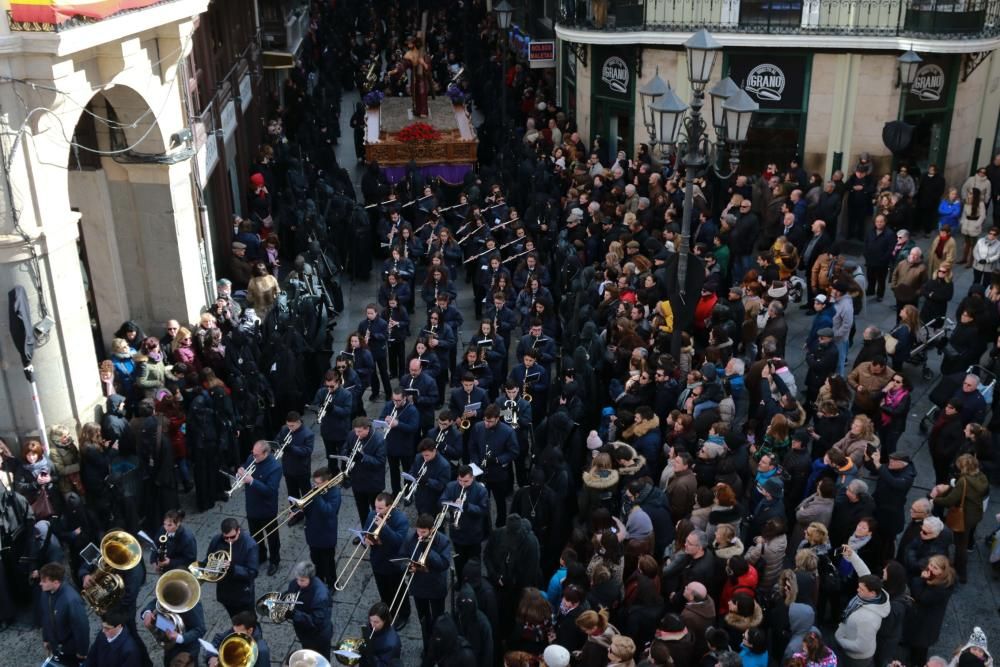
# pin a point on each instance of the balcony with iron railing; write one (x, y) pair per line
(915, 19)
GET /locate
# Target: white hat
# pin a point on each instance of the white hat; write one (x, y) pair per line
(555, 656)
(594, 441)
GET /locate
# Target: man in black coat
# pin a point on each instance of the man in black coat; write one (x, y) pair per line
(114, 645)
(895, 478)
(698, 564)
(653, 501)
(849, 508)
(65, 628)
(295, 448)
(742, 239)
(566, 633)
(821, 362)
(830, 203)
(818, 243)
(512, 559)
(880, 241)
(235, 590)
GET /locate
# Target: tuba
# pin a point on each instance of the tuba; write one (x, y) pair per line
(119, 552)
(216, 566)
(238, 650)
(307, 658)
(177, 592)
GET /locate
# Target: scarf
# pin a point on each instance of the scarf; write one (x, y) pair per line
(155, 357)
(939, 247)
(856, 603)
(856, 543)
(892, 399)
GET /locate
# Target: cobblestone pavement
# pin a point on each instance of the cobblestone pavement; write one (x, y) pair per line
(973, 604)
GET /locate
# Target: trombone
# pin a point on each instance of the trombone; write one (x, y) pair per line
(372, 534)
(285, 515)
(417, 561)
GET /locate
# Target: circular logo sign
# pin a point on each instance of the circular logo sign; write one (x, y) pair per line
(929, 83)
(614, 72)
(766, 82)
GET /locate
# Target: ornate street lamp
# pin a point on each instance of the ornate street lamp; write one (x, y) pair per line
(682, 129)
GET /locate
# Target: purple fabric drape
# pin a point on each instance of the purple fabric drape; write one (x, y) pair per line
(451, 173)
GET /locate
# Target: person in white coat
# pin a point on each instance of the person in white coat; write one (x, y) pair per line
(855, 636)
(986, 257)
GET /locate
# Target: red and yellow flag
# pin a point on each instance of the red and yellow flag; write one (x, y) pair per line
(57, 11)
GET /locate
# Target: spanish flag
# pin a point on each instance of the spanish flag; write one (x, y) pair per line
(58, 11)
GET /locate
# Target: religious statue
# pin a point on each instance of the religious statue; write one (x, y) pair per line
(419, 64)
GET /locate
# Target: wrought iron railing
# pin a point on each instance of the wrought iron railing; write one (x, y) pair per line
(950, 19)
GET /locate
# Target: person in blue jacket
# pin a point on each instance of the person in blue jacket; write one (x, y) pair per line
(368, 474)
(422, 390)
(352, 383)
(312, 619)
(244, 623)
(432, 473)
(430, 582)
(387, 571)
(468, 394)
(361, 358)
(180, 547)
(533, 379)
(296, 456)
(65, 627)
(442, 340)
(321, 527)
(375, 331)
(114, 645)
(451, 444)
(183, 642)
(235, 591)
(404, 429)
(261, 489)
(336, 404)
(468, 531)
(383, 648)
(493, 446)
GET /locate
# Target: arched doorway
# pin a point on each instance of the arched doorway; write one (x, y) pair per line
(128, 200)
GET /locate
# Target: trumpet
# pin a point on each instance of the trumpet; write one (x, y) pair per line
(391, 418)
(322, 408)
(240, 479)
(414, 482)
(458, 506)
(277, 606)
(287, 440)
(368, 336)
(216, 565)
(417, 561)
(361, 548)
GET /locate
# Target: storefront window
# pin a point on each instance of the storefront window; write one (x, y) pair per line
(780, 85)
(928, 106)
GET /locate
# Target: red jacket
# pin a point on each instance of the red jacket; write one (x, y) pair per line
(745, 584)
(703, 310)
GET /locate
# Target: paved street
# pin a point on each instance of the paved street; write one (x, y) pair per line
(974, 603)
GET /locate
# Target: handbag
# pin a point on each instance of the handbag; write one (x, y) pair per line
(955, 518)
(891, 342)
(42, 506)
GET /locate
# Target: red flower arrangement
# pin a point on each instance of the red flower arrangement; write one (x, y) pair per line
(418, 132)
